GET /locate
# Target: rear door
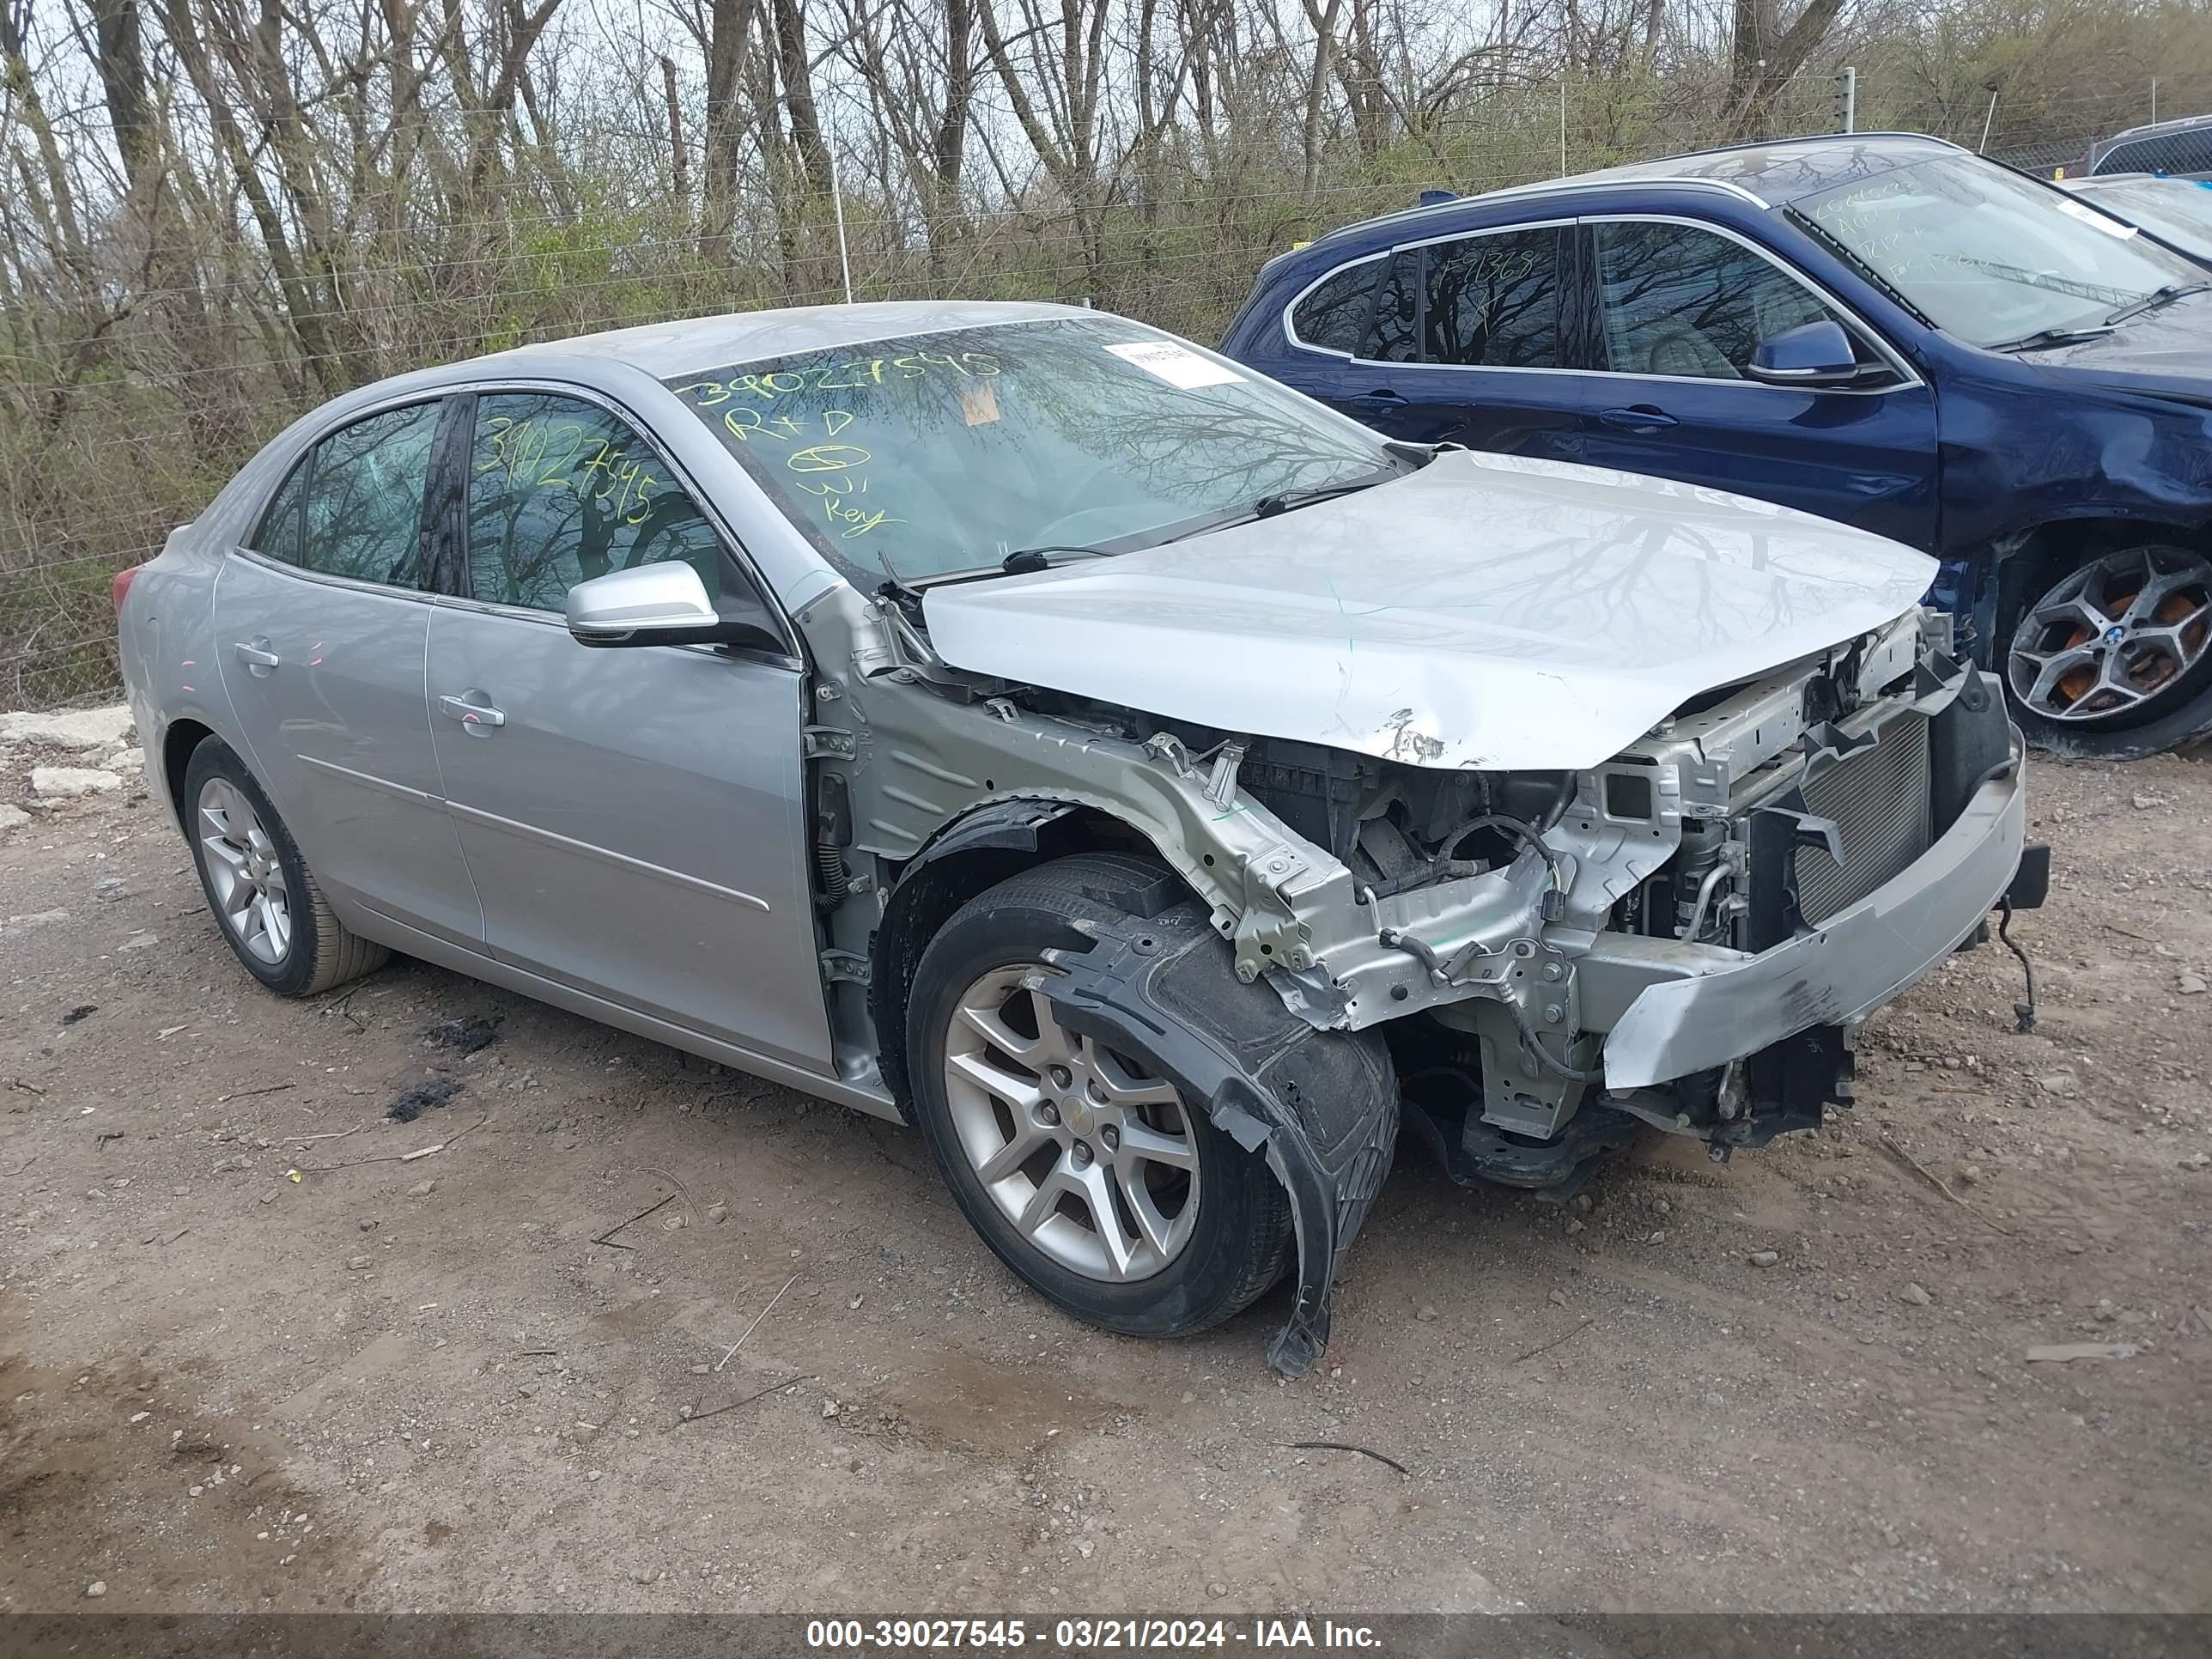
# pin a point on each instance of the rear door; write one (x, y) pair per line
(633, 818)
(322, 623)
(1680, 309)
(1466, 339)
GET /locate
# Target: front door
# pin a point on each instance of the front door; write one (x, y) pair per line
(1680, 309)
(635, 819)
(322, 624)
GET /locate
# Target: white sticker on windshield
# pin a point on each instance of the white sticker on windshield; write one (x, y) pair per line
(1176, 365)
(2089, 215)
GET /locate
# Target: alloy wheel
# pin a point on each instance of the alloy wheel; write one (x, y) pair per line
(245, 875)
(1093, 1162)
(2114, 635)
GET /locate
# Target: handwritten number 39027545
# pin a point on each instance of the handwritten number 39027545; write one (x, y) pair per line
(520, 449)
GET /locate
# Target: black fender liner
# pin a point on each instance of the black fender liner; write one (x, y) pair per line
(934, 882)
(1004, 824)
(1322, 1106)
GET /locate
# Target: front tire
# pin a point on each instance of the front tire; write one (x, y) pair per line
(267, 902)
(2113, 658)
(1104, 1190)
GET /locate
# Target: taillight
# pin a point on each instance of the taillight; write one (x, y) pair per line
(121, 584)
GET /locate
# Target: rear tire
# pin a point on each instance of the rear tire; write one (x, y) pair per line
(265, 899)
(1036, 1130)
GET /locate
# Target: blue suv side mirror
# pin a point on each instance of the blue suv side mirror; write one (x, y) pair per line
(1812, 355)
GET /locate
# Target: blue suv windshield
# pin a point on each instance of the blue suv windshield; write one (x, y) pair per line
(1989, 256)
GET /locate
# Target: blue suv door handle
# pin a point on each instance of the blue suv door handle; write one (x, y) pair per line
(1637, 417)
(1381, 397)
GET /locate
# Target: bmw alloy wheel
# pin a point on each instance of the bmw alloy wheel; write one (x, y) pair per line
(2114, 636)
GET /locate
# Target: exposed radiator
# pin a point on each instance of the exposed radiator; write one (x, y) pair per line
(1879, 799)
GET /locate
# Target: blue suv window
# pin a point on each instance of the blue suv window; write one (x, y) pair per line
(1684, 302)
(1395, 336)
(1494, 300)
(1333, 316)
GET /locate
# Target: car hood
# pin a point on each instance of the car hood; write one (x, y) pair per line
(2164, 351)
(1486, 611)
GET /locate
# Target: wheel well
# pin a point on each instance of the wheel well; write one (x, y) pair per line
(932, 889)
(2040, 556)
(177, 745)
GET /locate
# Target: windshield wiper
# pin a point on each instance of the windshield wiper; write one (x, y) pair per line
(1028, 561)
(1284, 499)
(2151, 301)
(2051, 336)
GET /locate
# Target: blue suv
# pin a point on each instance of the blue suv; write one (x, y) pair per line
(1882, 329)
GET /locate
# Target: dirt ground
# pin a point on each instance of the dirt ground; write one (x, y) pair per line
(459, 1382)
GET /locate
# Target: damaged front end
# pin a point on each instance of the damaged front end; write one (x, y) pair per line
(1530, 967)
(1322, 1107)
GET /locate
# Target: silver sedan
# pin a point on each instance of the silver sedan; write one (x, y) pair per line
(1020, 722)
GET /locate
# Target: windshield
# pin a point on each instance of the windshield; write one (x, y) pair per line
(942, 452)
(2176, 210)
(1989, 256)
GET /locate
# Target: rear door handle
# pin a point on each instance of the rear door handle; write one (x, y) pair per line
(1381, 397)
(257, 656)
(1638, 417)
(478, 717)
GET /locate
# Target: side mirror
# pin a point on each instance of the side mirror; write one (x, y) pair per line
(656, 605)
(1813, 355)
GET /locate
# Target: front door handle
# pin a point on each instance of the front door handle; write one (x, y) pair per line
(1381, 397)
(476, 718)
(1637, 417)
(260, 661)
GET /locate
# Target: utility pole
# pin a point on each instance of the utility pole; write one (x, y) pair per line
(1847, 100)
(837, 206)
(837, 193)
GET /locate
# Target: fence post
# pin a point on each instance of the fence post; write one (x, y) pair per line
(1847, 100)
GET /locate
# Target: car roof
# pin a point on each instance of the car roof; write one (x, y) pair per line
(2088, 183)
(2150, 129)
(663, 349)
(1767, 174)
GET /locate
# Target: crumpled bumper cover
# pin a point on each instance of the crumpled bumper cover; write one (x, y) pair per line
(1853, 962)
(1322, 1107)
